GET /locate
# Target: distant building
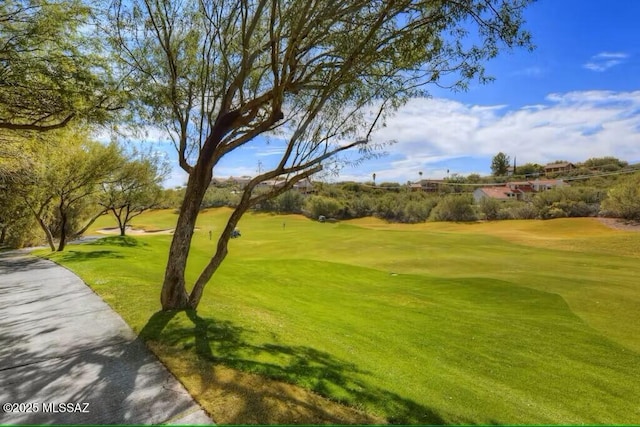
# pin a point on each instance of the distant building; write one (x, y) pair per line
(503, 193)
(559, 167)
(304, 186)
(517, 190)
(427, 185)
(539, 185)
(232, 181)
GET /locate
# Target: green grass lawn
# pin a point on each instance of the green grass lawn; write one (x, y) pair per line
(508, 322)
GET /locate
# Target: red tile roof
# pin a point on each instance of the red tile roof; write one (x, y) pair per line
(498, 192)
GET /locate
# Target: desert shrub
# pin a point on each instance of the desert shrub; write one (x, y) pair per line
(359, 206)
(623, 199)
(388, 207)
(504, 213)
(315, 206)
(454, 208)
(552, 212)
(572, 201)
(524, 211)
(171, 198)
(490, 208)
(547, 198)
(605, 164)
(21, 232)
(290, 202)
(416, 211)
(581, 209)
(217, 197)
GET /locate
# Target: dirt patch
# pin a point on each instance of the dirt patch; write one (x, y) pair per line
(620, 224)
(133, 231)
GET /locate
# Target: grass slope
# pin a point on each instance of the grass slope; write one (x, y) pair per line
(509, 322)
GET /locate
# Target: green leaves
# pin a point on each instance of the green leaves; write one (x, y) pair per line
(623, 199)
(500, 164)
(51, 68)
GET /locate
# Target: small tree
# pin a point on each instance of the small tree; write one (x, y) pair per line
(455, 208)
(530, 169)
(69, 169)
(290, 202)
(133, 189)
(323, 206)
(500, 164)
(474, 178)
(490, 208)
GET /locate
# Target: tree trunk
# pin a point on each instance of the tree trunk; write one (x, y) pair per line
(63, 234)
(62, 243)
(223, 242)
(47, 233)
(174, 293)
(3, 234)
(63, 226)
(38, 216)
(122, 226)
(122, 222)
(220, 255)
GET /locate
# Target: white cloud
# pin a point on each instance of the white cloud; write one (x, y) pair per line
(572, 126)
(611, 55)
(605, 60)
(270, 151)
(433, 135)
(534, 71)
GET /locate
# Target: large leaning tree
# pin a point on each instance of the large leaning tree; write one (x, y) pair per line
(317, 75)
(52, 66)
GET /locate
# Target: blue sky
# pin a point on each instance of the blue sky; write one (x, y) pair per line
(577, 95)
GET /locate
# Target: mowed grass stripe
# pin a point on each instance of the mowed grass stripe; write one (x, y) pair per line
(417, 325)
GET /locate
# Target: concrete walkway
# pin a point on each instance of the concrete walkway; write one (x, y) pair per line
(60, 343)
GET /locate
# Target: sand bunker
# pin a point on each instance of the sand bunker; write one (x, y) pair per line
(133, 231)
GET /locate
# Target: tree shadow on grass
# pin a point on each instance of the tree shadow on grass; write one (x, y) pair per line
(89, 256)
(218, 342)
(122, 241)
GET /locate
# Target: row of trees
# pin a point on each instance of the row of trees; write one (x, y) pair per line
(64, 180)
(501, 165)
(617, 197)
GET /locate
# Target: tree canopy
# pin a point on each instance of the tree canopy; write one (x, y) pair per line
(623, 199)
(51, 68)
(500, 164)
(606, 164)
